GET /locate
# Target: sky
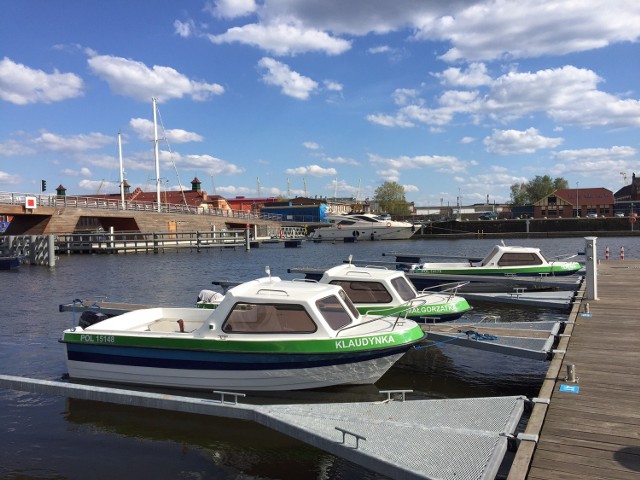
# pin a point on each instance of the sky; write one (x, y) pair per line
(455, 100)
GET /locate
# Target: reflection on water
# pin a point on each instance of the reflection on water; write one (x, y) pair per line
(51, 437)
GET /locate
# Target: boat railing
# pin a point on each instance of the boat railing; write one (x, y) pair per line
(449, 288)
(393, 318)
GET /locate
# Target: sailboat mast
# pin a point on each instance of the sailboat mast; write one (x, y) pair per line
(121, 170)
(156, 151)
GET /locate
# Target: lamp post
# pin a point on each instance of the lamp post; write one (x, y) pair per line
(577, 201)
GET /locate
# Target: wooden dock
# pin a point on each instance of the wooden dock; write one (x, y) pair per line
(591, 428)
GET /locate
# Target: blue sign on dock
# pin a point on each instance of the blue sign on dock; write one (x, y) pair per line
(569, 388)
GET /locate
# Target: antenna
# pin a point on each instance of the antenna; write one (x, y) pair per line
(304, 181)
(288, 188)
(267, 270)
(259, 189)
(335, 189)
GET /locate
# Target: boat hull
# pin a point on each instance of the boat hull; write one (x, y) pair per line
(207, 370)
(358, 234)
(9, 263)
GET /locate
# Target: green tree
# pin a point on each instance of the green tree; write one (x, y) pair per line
(534, 190)
(390, 197)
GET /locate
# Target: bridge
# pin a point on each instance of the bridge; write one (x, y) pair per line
(60, 214)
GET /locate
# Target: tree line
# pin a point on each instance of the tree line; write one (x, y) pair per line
(390, 196)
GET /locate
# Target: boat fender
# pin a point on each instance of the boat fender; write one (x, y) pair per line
(339, 227)
(181, 325)
(89, 317)
(388, 224)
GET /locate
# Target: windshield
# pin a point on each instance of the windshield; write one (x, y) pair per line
(404, 288)
(364, 292)
(333, 311)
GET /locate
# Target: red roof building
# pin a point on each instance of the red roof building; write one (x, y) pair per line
(575, 202)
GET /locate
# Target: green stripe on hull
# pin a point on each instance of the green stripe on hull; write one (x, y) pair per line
(436, 309)
(502, 270)
(333, 345)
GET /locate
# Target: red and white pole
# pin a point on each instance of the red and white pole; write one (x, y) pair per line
(606, 253)
(621, 253)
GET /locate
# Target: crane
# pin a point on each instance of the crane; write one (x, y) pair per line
(624, 177)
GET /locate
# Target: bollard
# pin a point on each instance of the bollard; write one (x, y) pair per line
(621, 253)
(571, 373)
(606, 253)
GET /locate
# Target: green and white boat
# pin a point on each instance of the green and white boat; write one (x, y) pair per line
(380, 291)
(503, 260)
(266, 334)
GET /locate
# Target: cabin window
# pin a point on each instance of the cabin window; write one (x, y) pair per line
(511, 259)
(268, 318)
(404, 288)
(364, 292)
(334, 312)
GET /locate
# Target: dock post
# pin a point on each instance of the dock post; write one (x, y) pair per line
(51, 243)
(33, 257)
(591, 290)
(246, 239)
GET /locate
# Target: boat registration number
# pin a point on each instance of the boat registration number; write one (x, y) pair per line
(98, 338)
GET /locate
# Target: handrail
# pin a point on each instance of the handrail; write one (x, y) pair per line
(64, 201)
(398, 315)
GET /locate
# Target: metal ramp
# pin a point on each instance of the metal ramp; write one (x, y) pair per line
(533, 340)
(461, 439)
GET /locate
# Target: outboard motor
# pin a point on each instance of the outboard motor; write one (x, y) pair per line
(89, 317)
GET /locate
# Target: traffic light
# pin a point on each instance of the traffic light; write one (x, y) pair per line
(44, 185)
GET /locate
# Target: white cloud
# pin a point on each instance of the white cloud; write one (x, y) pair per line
(506, 142)
(603, 164)
(72, 143)
(475, 76)
(9, 179)
(134, 79)
(283, 39)
(184, 29)
(532, 28)
(22, 85)
(94, 185)
(312, 171)
(444, 164)
(208, 163)
(14, 148)
(311, 145)
(144, 129)
(332, 86)
(567, 95)
(84, 172)
(291, 83)
(341, 160)
(231, 8)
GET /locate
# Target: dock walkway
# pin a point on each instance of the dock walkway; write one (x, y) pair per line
(592, 427)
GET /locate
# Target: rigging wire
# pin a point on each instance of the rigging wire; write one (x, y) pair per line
(164, 136)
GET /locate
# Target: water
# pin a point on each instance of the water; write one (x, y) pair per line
(49, 437)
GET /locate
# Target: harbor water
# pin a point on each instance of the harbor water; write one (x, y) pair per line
(49, 437)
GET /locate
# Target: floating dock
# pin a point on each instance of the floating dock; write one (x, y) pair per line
(458, 439)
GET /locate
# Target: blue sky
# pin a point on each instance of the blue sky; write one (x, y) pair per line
(452, 98)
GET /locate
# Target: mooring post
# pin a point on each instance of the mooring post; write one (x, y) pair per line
(51, 243)
(247, 241)
(591, 267)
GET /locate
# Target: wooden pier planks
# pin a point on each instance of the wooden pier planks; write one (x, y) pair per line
(595, 433)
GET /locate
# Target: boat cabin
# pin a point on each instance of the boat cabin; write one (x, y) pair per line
(502, 256)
